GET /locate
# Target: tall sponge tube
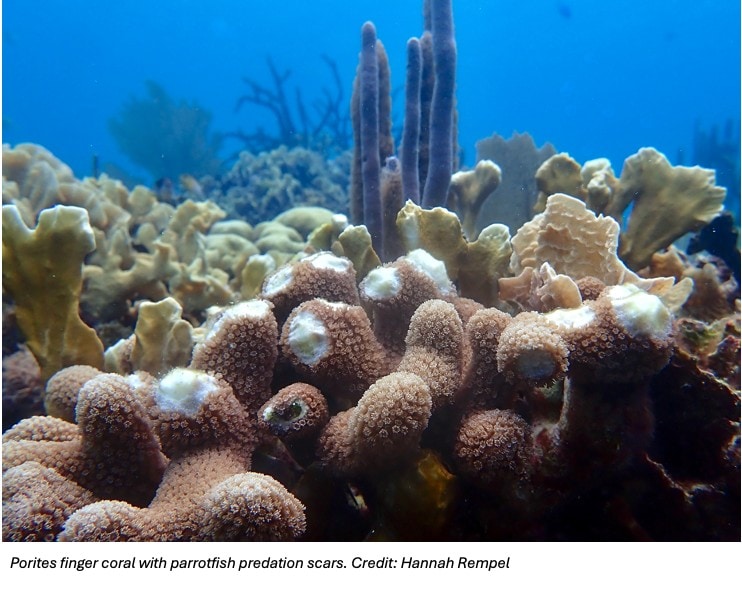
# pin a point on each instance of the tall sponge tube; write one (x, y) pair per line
(440, 166)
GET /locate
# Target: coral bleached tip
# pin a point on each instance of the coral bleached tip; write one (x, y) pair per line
(381, 283)
(184, 390)
(640, 313)
(308, 337)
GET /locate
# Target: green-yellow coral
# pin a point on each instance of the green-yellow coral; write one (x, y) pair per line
(355, 243)
(42, 271)
(475, 266)
(163, 340)
(305, 219)
(470, 189)
(668, 202)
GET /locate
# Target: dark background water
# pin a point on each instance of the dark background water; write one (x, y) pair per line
(594, 78)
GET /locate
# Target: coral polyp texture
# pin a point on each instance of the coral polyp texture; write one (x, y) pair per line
(565, 372)
(531, 387)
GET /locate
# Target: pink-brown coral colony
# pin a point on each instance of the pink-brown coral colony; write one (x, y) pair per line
(568, 375)
(579, 398)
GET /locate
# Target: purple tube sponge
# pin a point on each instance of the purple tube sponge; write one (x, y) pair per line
(441, 115)
(386, 139)
(410, 149)
(392, 200)
(427, 82)
(370, 164)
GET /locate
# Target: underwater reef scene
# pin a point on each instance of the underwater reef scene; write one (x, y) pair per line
(375, 343)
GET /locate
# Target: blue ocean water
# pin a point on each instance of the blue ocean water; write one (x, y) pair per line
(593, 78)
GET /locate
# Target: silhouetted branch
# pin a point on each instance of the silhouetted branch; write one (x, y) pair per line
(328, 131)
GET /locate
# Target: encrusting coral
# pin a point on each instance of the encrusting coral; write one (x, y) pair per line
(261, 186)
